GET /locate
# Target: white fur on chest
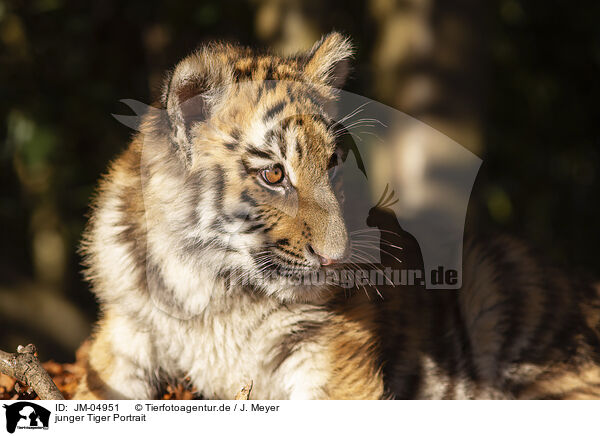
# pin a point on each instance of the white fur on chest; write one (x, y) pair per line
(238, 340)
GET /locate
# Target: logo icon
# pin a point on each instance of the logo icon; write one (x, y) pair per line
(26, 415)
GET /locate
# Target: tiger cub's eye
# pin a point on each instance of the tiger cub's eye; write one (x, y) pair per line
(272, 175)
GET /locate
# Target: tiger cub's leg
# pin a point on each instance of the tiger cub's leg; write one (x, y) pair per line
(565, 383)
(578, 379)
(118, 364)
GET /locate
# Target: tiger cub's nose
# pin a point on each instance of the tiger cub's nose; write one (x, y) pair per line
(323, 260)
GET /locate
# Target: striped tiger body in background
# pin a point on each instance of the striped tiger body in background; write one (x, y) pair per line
(516, 329)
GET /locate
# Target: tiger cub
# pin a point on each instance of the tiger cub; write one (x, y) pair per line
(231, 178)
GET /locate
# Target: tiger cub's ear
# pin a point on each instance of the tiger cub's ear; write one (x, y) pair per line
(190, 92)
(328, 62)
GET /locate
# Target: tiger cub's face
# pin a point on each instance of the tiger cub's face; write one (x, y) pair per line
(254, 133)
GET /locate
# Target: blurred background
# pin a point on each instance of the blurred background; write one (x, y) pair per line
(514, 81)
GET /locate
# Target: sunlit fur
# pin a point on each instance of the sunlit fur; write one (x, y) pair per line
(183, 225)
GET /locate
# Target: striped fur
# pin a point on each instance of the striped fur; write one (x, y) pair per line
(516, 330)
(182, 217)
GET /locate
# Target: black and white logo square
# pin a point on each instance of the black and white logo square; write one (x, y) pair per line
(26, 415)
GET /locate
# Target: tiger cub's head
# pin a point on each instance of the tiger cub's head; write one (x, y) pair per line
(252, 137)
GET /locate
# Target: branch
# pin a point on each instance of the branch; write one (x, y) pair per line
(244, 394)
(26, 368)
